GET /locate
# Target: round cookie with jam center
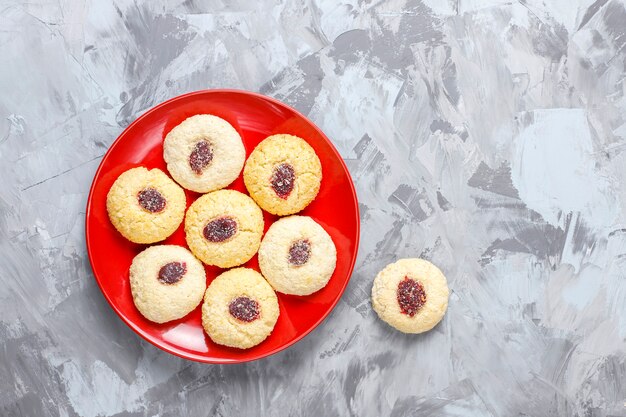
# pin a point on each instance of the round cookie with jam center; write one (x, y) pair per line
(297, 256)
(410, 295)
(240, 309)
(167, 282)
(145, 206)
(224, 228)
(204, 153)
(283, 174)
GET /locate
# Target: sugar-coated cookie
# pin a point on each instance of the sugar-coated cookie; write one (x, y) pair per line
(167, 282)
(283, 174)
(224, 228)
(240, 309)
(297, 256)
(145, 206)
(411, 295)
(204, 153)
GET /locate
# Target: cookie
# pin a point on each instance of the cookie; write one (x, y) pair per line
(411, 295)
(224, 228)
(167, 282)
(283, 174)
(297, 256)
(145, 206)
(204, 153)
(240, 309)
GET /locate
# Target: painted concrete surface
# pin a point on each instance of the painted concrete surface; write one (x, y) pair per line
(486, 136)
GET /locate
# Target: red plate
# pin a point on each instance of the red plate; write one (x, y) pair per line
(255, 117)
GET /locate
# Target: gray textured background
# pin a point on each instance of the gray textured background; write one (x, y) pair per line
(487, 136)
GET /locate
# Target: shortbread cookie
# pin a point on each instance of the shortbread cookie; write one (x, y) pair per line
(297, 256)
(224, 228)
(145, 206)
(283, 174)
(410, 295)
(204, 153)
(240, 309)
(167, 282)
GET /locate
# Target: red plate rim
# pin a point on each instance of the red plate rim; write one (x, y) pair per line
(199, 358)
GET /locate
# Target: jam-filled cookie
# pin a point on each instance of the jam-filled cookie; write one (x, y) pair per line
(240, 309)
(297, 256)
(411, 295)
(204, 153)
(283, 174)
(145, 206)
(224, 228)
(167, 282)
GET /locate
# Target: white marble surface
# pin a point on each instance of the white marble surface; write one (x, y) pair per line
(487, 136)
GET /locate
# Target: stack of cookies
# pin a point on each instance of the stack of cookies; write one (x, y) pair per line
(223, 228)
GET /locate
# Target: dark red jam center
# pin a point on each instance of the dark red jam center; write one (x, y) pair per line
(172, 272)
(150, 199)
(299, 252)
(283, 179)
(220, 229)
(201, 156)
(411, 296)
(244, 309)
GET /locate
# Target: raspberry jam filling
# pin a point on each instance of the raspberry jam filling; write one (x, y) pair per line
(411, 296)
(172, 272)
(151, 200)
(283, 179)
(244, 309)
(220, 229)
(201, 156)
(299, 252)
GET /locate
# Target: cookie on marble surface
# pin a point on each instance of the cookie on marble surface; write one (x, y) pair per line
(204, 153)
(283, 174)
(411, 295)
(145, 206)
(240, 309)
(224, 228)
(167, 282)
(297, 256)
